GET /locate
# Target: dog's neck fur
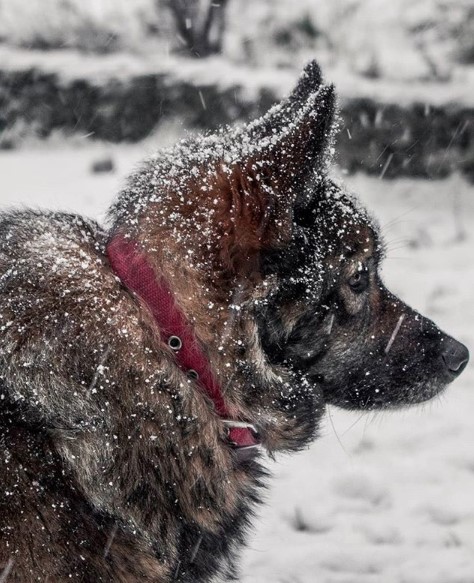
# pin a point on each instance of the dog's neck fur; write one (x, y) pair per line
(206, 210)
(132, 267)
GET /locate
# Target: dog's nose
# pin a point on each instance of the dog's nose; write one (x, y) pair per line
(455, 356)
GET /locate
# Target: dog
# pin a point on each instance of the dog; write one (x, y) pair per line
(144, 368)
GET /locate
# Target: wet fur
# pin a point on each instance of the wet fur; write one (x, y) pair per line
(114, 466)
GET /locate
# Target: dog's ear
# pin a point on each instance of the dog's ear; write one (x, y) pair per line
(309, 82)
(263, 181)
(285, 112)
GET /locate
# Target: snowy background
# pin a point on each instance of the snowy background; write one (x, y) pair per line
(386, 497)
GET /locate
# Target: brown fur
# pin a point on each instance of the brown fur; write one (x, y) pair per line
(116, 467)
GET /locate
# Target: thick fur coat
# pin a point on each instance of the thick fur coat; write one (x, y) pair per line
(115, 466)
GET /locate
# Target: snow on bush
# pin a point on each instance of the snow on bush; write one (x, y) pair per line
(91, 25)
(402, 39)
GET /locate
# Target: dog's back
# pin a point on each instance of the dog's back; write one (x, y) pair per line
(49, 530)
(52, 278)
(54, 282)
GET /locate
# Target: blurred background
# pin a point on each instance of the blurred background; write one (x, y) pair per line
(90, 87)
(121, 71)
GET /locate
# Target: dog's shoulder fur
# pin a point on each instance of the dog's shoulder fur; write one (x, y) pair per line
(56, 291)
(101, 430)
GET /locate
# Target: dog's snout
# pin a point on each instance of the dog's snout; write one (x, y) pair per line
(455, 356)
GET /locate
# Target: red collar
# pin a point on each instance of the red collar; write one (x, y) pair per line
(131, 266)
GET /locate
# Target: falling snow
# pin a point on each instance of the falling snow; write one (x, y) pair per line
(389, 497)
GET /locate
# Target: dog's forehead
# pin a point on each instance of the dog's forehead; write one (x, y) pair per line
(345, 227)
(274, 153)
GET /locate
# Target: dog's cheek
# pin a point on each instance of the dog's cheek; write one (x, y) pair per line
(298, 410)
(376, 380)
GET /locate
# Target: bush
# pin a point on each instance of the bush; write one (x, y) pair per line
(445, 25)
(88, 25)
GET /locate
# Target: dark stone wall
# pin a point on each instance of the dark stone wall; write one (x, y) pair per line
(382, 139)
(118, 110)
(417, 140)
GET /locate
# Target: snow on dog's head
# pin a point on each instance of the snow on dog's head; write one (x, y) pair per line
(277, 267)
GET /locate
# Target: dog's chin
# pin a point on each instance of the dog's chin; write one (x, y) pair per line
(379, 396)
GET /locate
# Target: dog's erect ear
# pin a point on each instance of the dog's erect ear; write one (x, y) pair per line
(283, 113)
(265, 178)
(309, 82)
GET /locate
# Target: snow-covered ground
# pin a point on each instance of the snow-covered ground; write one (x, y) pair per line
(386, 498)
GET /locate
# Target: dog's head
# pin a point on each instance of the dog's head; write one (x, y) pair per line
(333, 318)
(254, 209)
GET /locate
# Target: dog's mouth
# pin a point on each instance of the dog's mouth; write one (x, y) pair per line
(382, 395)
(402, 380)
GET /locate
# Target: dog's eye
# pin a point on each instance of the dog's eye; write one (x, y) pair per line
(359, 282)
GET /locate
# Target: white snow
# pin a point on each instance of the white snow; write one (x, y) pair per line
(387, 497)
(400, 39)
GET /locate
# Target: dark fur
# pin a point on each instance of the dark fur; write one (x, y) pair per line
(114, 465)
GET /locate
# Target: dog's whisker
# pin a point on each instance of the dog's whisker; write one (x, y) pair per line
(336, 434)
(7, 570)
(396, 220)
(395, 245)
(370, 417)
(398, 248)
(361, 416)
(331, 322)
(176, 571)
(394, 333)
(366, 403)
(110, 540)
(389, 242)
(196, 549)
